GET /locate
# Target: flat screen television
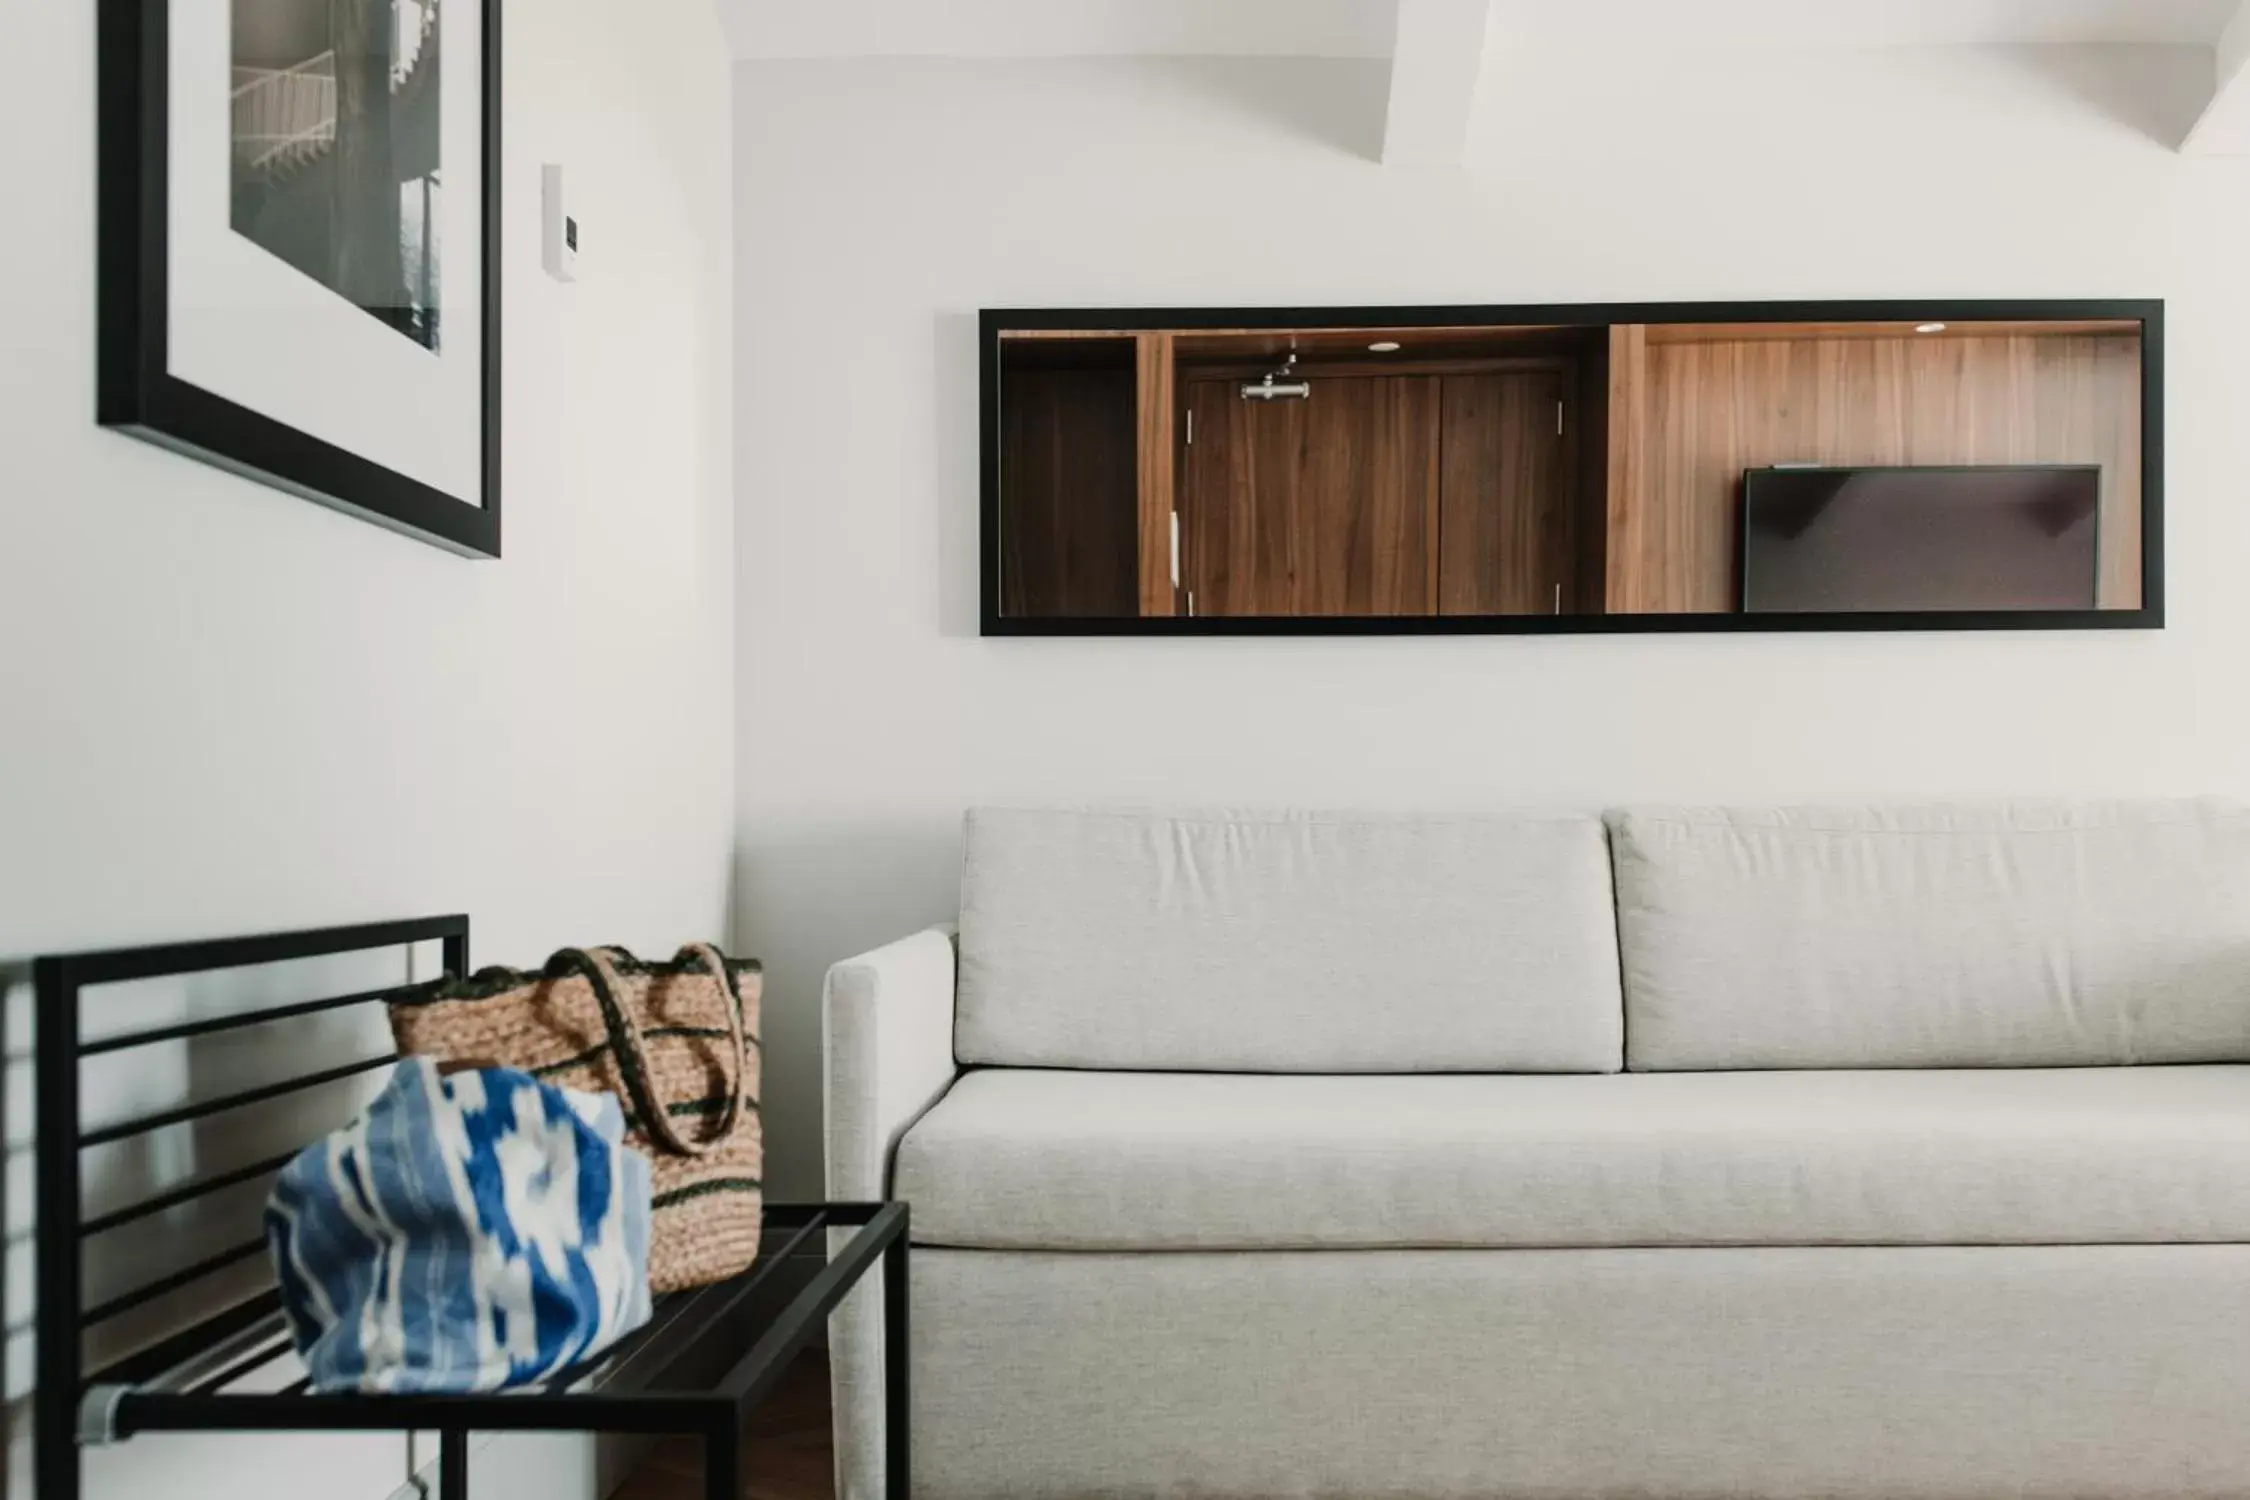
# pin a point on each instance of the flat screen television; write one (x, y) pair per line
(1998, 537)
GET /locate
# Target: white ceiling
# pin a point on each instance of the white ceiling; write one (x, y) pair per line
(1874, 22)
(1363, 28)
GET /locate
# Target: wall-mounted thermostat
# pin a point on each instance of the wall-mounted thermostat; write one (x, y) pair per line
(559, 236)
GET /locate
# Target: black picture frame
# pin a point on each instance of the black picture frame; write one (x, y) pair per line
(2149, 312)
(136, 393)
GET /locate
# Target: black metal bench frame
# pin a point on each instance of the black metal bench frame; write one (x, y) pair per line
(654, 1381)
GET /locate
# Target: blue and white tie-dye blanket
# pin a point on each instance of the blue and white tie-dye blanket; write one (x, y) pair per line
(469, 1232)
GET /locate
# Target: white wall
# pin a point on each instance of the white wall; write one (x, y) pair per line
(881, 204)
(223, 709)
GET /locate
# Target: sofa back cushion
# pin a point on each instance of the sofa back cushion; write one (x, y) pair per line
(1288, 942)
(2012, 935)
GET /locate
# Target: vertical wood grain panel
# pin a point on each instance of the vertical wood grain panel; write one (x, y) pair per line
(1715, 409)
(1220, 514)
(1589, 477)
(2116, 380)
(1066, 492)
(1323, 506)
(1634, 539)
(1153, 363)
(1505, 541)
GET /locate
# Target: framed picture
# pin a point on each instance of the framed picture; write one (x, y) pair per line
(299, 243)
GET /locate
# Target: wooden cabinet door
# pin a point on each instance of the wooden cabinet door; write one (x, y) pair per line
(1069, 538)
(1322, 506)
(1505, 527)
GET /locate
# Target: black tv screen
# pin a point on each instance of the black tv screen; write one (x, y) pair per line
(1889, 539)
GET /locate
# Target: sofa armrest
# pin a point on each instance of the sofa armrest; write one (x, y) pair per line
(887, 1038)
(887, 1035)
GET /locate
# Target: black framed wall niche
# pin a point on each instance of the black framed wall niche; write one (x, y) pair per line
(1578, 468)
(299, 249)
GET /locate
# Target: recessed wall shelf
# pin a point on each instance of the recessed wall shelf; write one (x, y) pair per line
(1575, 468)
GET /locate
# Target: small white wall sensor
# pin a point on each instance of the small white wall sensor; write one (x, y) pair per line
(559, 236)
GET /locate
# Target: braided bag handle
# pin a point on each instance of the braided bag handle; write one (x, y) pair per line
(631, 1049)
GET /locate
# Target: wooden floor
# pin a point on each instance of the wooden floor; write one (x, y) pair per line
(787, 1452)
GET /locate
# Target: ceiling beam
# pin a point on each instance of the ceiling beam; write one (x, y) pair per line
(1436, 65)
(2224, 128)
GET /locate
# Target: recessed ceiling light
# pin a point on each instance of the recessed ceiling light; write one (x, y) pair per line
(1383, 346)
(1929, 328)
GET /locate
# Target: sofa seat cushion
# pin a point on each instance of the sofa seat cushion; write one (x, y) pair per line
(1042, 1160)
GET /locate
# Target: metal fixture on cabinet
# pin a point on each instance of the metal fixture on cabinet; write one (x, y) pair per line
(1268, 390)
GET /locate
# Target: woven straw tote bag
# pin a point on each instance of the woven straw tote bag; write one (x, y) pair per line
(677, 1043)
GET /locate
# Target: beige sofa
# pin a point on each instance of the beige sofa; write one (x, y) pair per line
(1884, 1152)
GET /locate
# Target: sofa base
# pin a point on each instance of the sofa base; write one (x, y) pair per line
(1786, 1373)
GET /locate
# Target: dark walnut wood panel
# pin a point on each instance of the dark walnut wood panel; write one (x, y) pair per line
(1707, 411)
(1505, 530)
(1333, 343)
(1324, 506)
(1589, 446)
(1069, 496)
(1078, 351)
(1374, 365)
(1154, 467)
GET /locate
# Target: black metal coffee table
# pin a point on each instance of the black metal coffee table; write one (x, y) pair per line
(653, 1381)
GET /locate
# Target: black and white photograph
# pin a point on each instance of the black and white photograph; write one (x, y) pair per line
(339, 148)
(300, 266)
